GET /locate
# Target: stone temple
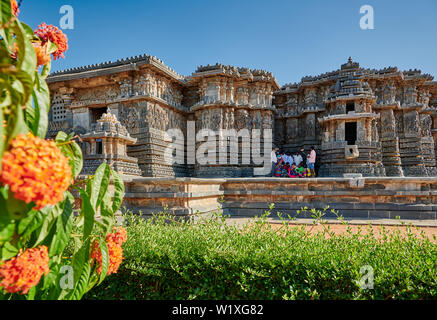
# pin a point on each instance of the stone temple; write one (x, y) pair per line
(366, 121)
(375, 133)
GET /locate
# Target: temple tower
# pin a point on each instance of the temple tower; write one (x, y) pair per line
(106, 142)
(229, 102)
(350, 140)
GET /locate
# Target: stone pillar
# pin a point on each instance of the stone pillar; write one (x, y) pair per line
(110, 143)
(434, 131)
(411, 145)
(391, 158)
(340, 132)
(428, 145)
(93, 146)
(362, 130)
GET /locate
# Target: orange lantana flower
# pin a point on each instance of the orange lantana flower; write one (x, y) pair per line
(114, 242)
(41, 53)
(14, 7)
(24, 271)
(36, 171)
(49, 32)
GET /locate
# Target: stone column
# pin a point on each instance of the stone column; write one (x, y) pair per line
(340, 132)
(93, 146)
(428, 145)
(411, 145)
(362, 130)
(391, 157)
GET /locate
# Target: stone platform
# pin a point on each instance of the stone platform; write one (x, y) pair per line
(363, 198)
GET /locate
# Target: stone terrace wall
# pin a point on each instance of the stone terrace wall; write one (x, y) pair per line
(182, 196)
(408, 198)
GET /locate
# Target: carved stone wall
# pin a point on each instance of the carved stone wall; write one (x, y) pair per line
(394, 111)
(395, 114)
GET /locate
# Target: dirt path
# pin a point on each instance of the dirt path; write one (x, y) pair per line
(429, 232)
(420, 228)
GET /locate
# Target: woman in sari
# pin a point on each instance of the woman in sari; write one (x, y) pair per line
(278, 166)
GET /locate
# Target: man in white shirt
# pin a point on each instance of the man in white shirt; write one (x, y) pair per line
(297, 159)
(274, 159)
(288, 158)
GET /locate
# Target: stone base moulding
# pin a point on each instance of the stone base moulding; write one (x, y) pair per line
(353, 197)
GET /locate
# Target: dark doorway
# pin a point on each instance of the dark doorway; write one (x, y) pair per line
(351, 133)
(96, 113)
(99, 146)
(350, 106)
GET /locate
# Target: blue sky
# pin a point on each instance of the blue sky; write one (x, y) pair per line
(292, 39)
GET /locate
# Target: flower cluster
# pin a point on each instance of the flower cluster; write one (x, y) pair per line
(49, 32)
(36, 171)
(42, 56)
(114, 241)
(24, 271)
(14, 7)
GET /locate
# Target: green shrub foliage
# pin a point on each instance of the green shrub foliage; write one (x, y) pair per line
(210, 259)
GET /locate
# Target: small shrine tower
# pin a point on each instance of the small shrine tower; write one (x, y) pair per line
(106, 142)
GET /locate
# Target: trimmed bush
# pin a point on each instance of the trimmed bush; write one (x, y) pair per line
(210, 259)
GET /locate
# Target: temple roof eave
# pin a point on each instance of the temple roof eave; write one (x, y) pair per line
(108, 68)
(349, 116)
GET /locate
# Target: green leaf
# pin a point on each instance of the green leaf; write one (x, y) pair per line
(7, 228)
(9, 251)
(82, 284)
(118, 191)
(7, 225)
(19, 126)
(64, 225)
(107, 215)
(46, 70)
(99, 184)
(5, 16)
(45, 230)
(72, 151)
(26, 53)
(81, 270)
(51, 47)
(31, 294)
(17, 209)
(41, 101)
(2, 134)
(27, 83)
(88, 213)
(32, 222)
(105, 260)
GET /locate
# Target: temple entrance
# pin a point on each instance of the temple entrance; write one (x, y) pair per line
(350, 107)
(99, 146)
(351, 133)
(96, 113)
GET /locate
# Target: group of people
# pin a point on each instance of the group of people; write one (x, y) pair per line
(293, 165)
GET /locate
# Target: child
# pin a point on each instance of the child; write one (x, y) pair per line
(285, 170)
(293, 172)
(300, 170)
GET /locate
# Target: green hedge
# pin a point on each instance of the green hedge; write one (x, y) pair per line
(212, 260)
